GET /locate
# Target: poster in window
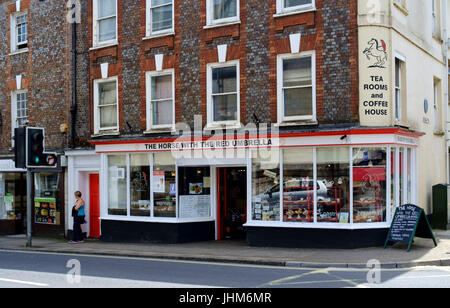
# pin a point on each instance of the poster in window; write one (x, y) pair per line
(195, 188)
(159, 182)
(45, 211)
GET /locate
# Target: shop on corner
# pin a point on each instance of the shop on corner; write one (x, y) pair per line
(315, 189)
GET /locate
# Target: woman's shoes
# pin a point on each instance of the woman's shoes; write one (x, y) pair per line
(76, 242)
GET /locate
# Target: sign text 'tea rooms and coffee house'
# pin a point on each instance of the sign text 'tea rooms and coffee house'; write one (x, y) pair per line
(375, 77)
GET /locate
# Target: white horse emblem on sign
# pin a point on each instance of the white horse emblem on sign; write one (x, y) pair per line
(377, 53)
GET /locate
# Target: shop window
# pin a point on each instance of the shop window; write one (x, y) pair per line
(333, 176)
(160, 17)
(117, 185)
(409, 176)
(160, 108)
(296, 87)
(223, 89)
(140, 185)
(105, 100)
(194, 186)
(105, 22)
(164, 185)
(369, 185)
(222, 11)
(401, 180)
(393, 198)
(46, 198)
(266, 185)
(13, 196)
(298, 187)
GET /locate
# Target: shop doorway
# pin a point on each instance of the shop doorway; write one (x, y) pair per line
(94, 206)
(232, 202)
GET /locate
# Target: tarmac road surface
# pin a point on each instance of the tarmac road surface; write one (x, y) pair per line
(48, 270)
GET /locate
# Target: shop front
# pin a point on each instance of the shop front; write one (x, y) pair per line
(315, 189)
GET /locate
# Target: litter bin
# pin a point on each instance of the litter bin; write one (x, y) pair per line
(441, 208)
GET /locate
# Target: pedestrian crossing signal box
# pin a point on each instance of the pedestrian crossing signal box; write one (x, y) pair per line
(36, 157)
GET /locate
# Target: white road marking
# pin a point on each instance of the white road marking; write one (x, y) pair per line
(36, 284)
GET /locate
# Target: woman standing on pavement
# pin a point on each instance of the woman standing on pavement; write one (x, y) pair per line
(78, 218)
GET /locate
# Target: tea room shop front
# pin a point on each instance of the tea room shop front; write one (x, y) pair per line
(315, 189)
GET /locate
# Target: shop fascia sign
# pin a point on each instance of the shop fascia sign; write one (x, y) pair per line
(212, 144)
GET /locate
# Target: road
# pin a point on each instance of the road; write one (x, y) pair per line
(45, 270)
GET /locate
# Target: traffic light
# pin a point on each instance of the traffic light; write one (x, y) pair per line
(36, 157)
(20, 147)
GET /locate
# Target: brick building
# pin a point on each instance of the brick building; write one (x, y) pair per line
(289, 123)
(35, 90)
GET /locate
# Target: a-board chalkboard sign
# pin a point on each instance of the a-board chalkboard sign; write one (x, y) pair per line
(409, 221)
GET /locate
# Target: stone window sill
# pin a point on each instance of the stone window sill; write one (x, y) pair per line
(18, 52)
(294, 12)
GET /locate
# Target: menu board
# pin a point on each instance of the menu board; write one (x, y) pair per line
(45, 211)
(195, 206)
(409, 221)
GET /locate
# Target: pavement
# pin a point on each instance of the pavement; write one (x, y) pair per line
(423, 252)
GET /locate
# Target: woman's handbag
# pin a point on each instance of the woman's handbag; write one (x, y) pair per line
(74, 211)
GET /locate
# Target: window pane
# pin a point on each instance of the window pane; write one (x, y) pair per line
(160, 2)
(401, 182)
(46, 198)
(298, 102)
(106, 8)
(224, 80)
(117, 185)
(162, 87)
(291, 3)
(107, 29)
(225, 9)
(298, 187)
(408, 177)
(266, 185)
(107, 93)
(162, 18)
(140, 185)
(369, 185)
(195, 192)
(225, 107)
(164, 185)
(162, 112)
(13, 200)
(108, 116)
(333, 175)
(297, 72)
(393, 183)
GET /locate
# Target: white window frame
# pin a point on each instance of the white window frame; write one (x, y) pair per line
(96, 28)
(209, 103)
(398, 106)
(14, 34)
(434, 17)
(280, 88)
(14, 123)
(149, 110)
(210, 21)
(294, 9)
(149, 31)
(437, 104)
(97, 128)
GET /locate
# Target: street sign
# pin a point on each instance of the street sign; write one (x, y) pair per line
(409, 221)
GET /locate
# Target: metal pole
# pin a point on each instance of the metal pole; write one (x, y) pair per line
(29, 208)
